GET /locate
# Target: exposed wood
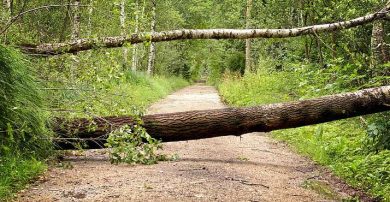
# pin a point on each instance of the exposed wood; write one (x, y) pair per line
(152, 51)
(236, 121)
(112, 42)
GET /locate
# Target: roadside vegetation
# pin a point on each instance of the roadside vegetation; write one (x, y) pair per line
(23, 133)
(356, 149)
(30, 101)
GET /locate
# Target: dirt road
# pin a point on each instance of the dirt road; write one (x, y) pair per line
(251, 168)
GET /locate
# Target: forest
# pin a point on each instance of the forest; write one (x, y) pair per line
(93, 74)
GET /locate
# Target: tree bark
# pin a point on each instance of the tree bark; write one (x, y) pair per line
(7, 7)
(112, 42)
(152, 51)
(90, 13)
(234, 121)
(379, 48)
(248, 41)
(134, 61)
(122, 20)
(76, 21)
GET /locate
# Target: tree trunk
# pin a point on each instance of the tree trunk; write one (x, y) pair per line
(320, 55)
(76, 21)
(379, 48)
(152, 51)
(235, 121)
(122, 20)
(90, 13)
(112, 42)
(7, 7)
(135, 49)
(248, 41)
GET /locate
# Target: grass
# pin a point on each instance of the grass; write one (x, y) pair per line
(23, 132)
(16, 172)
(342, 146)
(260, 88)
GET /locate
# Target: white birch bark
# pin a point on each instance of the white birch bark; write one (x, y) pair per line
(185, 34)
(135, 50)
(7, 7)
(76, 20)
(90, 13)
(248, 41)
(123, 27)
(152, 51)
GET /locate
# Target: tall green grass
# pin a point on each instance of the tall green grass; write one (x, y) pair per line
(23, 132)
(343, 146)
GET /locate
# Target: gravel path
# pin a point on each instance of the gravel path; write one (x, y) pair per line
(251, 168)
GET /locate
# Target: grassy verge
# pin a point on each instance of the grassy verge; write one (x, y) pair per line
(23, 132)
(120, 96)
(16, 172)
(343, 146)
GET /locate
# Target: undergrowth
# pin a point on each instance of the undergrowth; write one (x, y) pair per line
(355, 149)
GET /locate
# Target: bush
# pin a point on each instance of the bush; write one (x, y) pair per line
(378, 131)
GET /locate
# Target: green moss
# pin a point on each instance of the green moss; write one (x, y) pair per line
(322, 189)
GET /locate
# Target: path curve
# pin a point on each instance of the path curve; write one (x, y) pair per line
(251, 168)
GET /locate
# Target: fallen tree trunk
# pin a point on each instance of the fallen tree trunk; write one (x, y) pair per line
(234, 121)
(113, 42)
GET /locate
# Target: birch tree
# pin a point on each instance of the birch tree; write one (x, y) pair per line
(76, 20)
(90, 13)
(122, 19)
(185, 34)
(134, 60)
(7, 6)
(379, 48)
(152, 50)
(248, 63)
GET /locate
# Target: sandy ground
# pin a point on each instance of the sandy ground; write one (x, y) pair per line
(251, 168)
